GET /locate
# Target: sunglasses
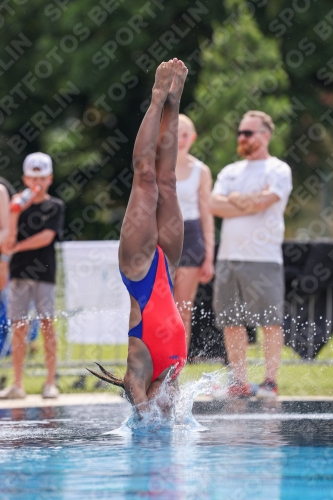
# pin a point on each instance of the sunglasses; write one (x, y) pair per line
(247, 133)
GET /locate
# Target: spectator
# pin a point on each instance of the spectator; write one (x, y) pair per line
(4, 228)
(251, 196)
(194, 184)
(5, 347)
(32, 270)
(6, 192)
(9, 187)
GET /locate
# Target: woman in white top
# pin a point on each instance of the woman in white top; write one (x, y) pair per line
(194, 184)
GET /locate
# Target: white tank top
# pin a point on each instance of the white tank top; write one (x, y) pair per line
(188, 193)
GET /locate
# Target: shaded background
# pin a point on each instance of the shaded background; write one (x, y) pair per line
(76, 79)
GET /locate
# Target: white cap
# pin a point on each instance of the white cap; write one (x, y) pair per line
(37, 165)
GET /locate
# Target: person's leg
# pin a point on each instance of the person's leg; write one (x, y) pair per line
(185, 288)
(19, 347)
(139, 233)
(236, 343)
(265, 285)
(169, 217)
(228, 309)
(44, 298)
(272, 343)
(50, 347)
(20, 296)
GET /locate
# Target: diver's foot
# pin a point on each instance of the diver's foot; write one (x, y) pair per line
(178, 81)
(163, 79)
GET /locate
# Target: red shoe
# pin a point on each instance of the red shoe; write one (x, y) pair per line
(267, 390)
(240, 390)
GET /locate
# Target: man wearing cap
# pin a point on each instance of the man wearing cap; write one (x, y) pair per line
(32, 270)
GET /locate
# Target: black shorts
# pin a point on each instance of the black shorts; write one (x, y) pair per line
(193, 253)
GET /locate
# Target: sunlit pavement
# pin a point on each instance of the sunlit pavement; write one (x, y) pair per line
(36, 400)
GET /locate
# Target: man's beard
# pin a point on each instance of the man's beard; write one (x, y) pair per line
(247, 149)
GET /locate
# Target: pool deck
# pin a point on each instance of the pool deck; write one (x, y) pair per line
(36, 401)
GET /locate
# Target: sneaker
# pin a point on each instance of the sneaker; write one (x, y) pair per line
(218, 392)
(240, 390)
(50, 391)
(267, 390)
(12, 392)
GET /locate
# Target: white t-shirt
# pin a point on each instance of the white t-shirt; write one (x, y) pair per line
(257, 237)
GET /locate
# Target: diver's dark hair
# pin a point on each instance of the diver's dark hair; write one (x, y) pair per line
(107, 377)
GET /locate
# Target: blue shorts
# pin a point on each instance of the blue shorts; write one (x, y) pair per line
(193, 253)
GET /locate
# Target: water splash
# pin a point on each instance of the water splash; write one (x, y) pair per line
(171, 410)
(207, 384)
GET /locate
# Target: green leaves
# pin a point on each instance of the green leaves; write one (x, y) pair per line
(242, 70)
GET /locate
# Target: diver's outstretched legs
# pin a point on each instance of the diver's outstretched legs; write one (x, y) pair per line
(170, 223)
(139, 232)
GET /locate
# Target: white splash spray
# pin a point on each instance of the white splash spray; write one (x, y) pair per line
(172, 411)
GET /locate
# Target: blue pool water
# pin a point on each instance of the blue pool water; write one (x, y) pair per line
(283, 451)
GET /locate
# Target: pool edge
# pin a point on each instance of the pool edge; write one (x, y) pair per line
(36, 401)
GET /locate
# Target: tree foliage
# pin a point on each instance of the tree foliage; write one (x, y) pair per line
(84, 77)
(76, 78)
(304, 31)
(242, 71)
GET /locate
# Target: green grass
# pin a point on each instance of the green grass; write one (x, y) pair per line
(293, 380)
(305, 379)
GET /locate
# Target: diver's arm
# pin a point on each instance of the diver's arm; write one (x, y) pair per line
(138, 375)
(136, 394)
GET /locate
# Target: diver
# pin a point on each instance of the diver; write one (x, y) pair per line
(151, 242)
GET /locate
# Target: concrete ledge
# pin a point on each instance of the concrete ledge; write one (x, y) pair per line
(305, 398)
(36, 400)
(203, 399)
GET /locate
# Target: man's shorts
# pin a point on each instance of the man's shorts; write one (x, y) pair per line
(248, 293)
(22, 292)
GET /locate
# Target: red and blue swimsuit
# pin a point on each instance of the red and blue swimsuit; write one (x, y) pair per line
(161, 327)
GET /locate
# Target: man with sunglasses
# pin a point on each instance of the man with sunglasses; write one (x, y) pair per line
(251, 196)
